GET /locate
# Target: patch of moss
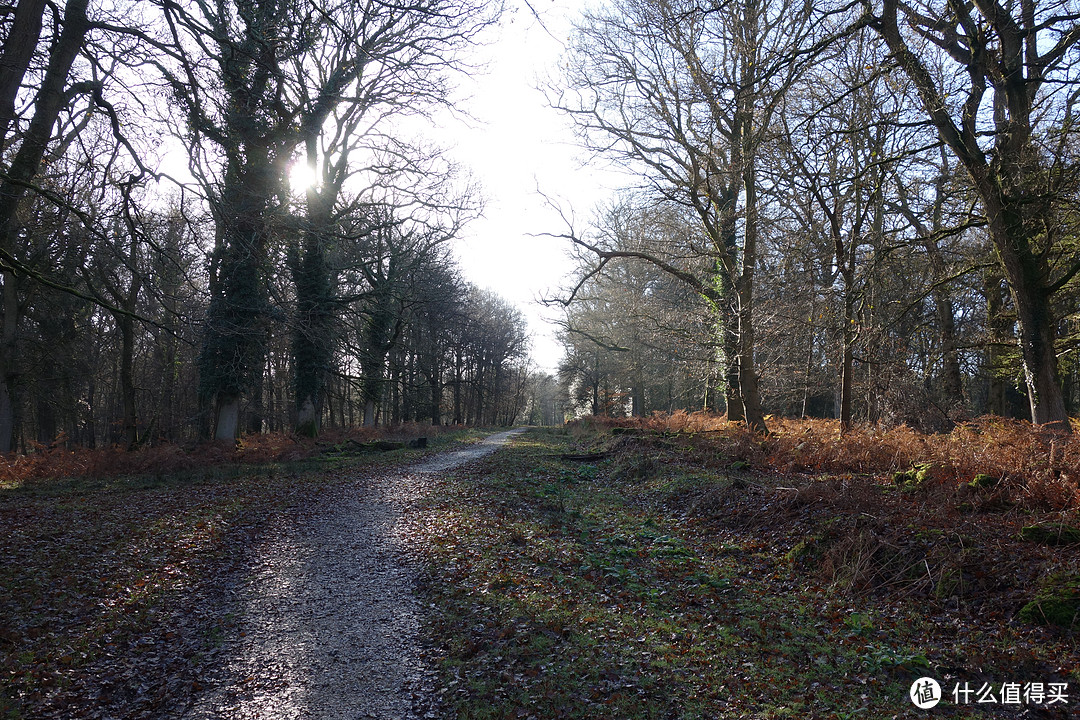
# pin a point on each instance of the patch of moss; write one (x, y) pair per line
(812, 548)
(1056, 603)
(1051, 534)
(914, 477)
(983, 481)
(807, 549)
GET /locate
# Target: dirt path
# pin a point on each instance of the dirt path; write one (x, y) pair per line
(328, 625)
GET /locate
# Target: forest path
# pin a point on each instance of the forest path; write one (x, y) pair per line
(328, 625)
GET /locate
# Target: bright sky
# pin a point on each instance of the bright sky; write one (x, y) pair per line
(517, 145)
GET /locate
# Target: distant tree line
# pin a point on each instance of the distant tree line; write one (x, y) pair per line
(295, 275)
(860, 210)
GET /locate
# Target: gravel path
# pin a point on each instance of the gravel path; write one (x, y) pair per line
(328, 625)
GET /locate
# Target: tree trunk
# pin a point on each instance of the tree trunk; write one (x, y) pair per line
(436, 404)
(496, 378)
(1010, 181)
(19, 49)
(952, 378)
(234, 346)
(256, 404)
(308, 418)
(227, 424)
(809, 356)
(847, 367)
(8, 361)
(479, 393)
(89, 426)
(1037, 339)
(729, 350)
(434, 380)
(127, 380)
(46, 421)
(458, 379)
(329, 399)
(1026, 273)
(748, 379)
(637, 398)
(596, 385)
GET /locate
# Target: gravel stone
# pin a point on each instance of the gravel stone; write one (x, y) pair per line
(329, 625)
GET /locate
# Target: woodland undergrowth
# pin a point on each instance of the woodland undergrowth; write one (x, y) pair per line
(60, 459)
(682, 567)
(1035, 468)
(673, 566)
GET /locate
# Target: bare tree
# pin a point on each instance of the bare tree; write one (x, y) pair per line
(835, 150)
(646, 330)
(685, 93)
(998, 83)
(412, 196)
(256, 80)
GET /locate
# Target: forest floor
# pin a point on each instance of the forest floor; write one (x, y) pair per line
(266, 581)
(660, 574)
(583, 572)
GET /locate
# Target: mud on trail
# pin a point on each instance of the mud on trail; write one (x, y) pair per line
(328, 625)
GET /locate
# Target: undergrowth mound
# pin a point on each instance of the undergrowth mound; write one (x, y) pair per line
(62, 460)
(1023, 465)
(884, 513)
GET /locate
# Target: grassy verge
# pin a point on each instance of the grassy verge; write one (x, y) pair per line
(641, 586)
(115, 590)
